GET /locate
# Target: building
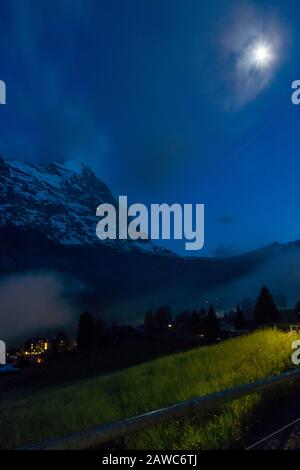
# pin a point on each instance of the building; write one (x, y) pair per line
(37, 347)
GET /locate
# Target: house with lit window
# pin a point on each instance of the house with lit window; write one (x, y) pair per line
(37, 347)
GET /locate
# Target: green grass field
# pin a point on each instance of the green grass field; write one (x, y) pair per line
(60, 410)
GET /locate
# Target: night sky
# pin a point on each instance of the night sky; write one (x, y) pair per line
(154, 96)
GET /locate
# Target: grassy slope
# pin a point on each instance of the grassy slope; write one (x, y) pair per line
(62, 410)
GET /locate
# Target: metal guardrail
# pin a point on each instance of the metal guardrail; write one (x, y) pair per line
(104, 433)
(99, 435)
(294, 328)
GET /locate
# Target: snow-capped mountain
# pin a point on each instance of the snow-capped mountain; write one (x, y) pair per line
(48, 228)
(57, 201)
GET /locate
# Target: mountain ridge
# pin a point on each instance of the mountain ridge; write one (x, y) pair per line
(58, 201)
(119, 281)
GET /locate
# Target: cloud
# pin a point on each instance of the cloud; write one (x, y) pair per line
(226, 219)
(33, 303)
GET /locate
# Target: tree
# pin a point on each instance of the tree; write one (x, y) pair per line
(247, 307)
(202, 317)
(183, 321)
(212, 325)
(265, 311)
(149, 323)
(101, 338)
(163, 318)
(239, 321)
(195, 324)
(86, 332)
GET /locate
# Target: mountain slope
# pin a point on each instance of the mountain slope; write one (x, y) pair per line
(48, 222)
(57, 201)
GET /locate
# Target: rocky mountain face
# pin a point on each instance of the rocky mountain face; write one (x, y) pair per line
(58, 202)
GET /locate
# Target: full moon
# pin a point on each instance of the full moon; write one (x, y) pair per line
(261, 55)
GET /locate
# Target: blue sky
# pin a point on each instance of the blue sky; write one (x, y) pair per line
(150, 95)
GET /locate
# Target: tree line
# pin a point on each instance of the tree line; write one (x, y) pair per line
(93, 333)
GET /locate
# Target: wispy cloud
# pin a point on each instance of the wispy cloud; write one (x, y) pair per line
(226, 219)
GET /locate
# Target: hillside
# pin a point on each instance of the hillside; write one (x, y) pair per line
(47, 235)
(59, 411)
